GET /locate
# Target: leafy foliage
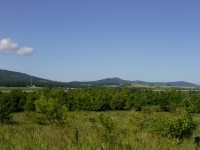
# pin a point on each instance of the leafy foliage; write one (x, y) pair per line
(52, 110)
(5, 110)
(103, 99)
(179, 126)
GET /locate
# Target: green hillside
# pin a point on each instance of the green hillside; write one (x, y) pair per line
(17, 79)
(17, 76)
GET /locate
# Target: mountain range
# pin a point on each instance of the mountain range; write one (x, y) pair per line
(116, 80)
(11, 76)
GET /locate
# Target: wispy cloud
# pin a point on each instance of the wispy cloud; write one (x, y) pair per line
(7, 46)
(25, 51)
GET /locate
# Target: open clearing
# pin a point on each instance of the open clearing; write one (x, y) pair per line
(24, 134)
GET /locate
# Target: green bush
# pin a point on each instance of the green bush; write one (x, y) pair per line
(52, 111)
(5, 111)
(137, 121)
(178, 126)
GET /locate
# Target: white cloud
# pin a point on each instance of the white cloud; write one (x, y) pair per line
(25, 51)
(7, 46)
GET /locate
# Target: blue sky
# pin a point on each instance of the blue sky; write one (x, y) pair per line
(76, 40)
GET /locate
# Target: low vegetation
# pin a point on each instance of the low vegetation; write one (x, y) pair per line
(99, 118)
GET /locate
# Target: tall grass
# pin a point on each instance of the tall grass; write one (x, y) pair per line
(83, 135)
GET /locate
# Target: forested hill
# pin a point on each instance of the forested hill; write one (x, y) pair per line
(6, 75)
(181, 83)
(17, 79)
(116, 80)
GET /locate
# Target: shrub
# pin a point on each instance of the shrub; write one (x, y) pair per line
(137, 122)
(5, 111)
(52, 111)
(177, 126)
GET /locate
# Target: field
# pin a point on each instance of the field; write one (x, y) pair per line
(99, 118)
(156, 87)
(82, 134)
(25, 89)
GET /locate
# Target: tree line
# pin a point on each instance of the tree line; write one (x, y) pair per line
(101, 99)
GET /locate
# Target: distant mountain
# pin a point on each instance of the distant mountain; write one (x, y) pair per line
(17, 79)
(6, 75)
(10, 78)
(116, 80)
(181, 83)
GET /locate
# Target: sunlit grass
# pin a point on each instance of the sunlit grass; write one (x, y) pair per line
(25, 89)
(24, 134)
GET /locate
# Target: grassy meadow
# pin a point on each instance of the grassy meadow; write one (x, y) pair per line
(82, 133)
(99, 119)
(25, 89)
